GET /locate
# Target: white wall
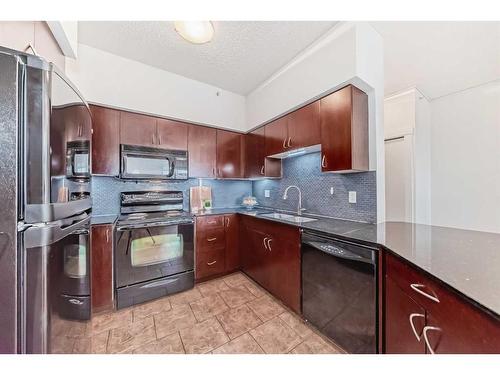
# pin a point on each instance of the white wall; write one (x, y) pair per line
(466, 159)
(112, 80)
(66, 35)
(350, 53)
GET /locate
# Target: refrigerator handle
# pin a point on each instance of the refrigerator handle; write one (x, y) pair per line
(45, 235)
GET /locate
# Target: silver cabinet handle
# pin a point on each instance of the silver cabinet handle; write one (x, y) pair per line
(211, 263)
(213, 171)
(284, 143)
(107, 235)
(323, 161)
(427, 343)
(417, 336)
(289, 142)
(416, 288)
(269, 244)
(262, 170)
(211, 239)
(152, 139)
(227, 222)
(75, 301)
(159, 139)
(265, 243)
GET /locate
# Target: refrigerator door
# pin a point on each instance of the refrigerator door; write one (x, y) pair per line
(55, 295)
(56, 147)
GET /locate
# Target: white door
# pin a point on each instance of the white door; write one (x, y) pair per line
(399, 194)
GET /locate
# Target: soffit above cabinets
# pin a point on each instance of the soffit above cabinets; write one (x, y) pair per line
(240, 57)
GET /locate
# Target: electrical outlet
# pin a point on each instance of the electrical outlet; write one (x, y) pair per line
(267, 193)
(352, 197)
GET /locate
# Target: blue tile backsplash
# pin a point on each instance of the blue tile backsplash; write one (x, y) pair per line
(304, 171)
(106, 192)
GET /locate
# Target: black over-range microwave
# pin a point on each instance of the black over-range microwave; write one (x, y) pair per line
(150, 163)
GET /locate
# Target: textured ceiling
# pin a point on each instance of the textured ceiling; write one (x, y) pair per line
(240, 57)
(439, 57)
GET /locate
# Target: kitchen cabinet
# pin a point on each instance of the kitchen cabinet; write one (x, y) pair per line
(171, 135)
(105, 141)
(304, 127)
(229, 154)
(232, 237)
(344, 131)
(298, 129)
(257, 165)
(217, 245)
(138, 130)
(101, 245)
(202, 150)
(444, 321)
(271, 256)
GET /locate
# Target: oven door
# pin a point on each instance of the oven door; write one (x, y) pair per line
(153, 252)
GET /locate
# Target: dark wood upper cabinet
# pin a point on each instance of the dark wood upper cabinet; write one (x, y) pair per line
(101, 240)
(276, 134)
(202, 150)
(344, 131)
(304, 127)
(138, 130)
(256, 163)
(105, 141)
(229, 154)
(171, 135)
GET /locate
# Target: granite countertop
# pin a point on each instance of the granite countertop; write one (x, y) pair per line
(466, 260)
(103, 219)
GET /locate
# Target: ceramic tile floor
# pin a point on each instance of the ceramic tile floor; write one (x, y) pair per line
(231, 314)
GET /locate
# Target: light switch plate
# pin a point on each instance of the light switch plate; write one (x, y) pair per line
(267, 193)
(352, 197)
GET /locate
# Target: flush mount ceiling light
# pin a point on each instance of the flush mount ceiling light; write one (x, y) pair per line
(197, 32)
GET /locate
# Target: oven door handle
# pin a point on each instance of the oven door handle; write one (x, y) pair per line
(154, 284)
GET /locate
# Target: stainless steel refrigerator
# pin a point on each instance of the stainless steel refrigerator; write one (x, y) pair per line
(45, 206)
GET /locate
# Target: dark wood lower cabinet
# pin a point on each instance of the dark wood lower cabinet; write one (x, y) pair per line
(443, 320)
(101, 242)
(270, 254)
(232, 234)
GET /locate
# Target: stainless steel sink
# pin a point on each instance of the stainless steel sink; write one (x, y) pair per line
(286, 217)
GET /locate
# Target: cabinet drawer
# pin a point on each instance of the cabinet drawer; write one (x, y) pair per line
(211, 239)
(209, 263)
(415, 284)
(210, 222)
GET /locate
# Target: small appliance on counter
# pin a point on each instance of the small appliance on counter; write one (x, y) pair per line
(249, 202)
(200, 198)
(154, 249)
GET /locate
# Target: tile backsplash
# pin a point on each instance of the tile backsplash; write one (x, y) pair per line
(106, 192)
(304, 171)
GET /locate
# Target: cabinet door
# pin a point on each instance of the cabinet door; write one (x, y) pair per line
(229, 163)
(255, 153)
(400, 313)
(138, 130)
(77, 122)
(101, 240)
(344, 131)
(202, 151)
(304, 127)
(276, 136)
(284, 269)
(232, 242)
(172, 135)
(105, 141)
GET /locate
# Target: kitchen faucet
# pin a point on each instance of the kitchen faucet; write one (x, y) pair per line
(285, 196)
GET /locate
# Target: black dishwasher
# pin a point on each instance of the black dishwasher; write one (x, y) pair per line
(339, 291)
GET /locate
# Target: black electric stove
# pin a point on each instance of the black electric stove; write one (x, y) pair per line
(154, 250)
